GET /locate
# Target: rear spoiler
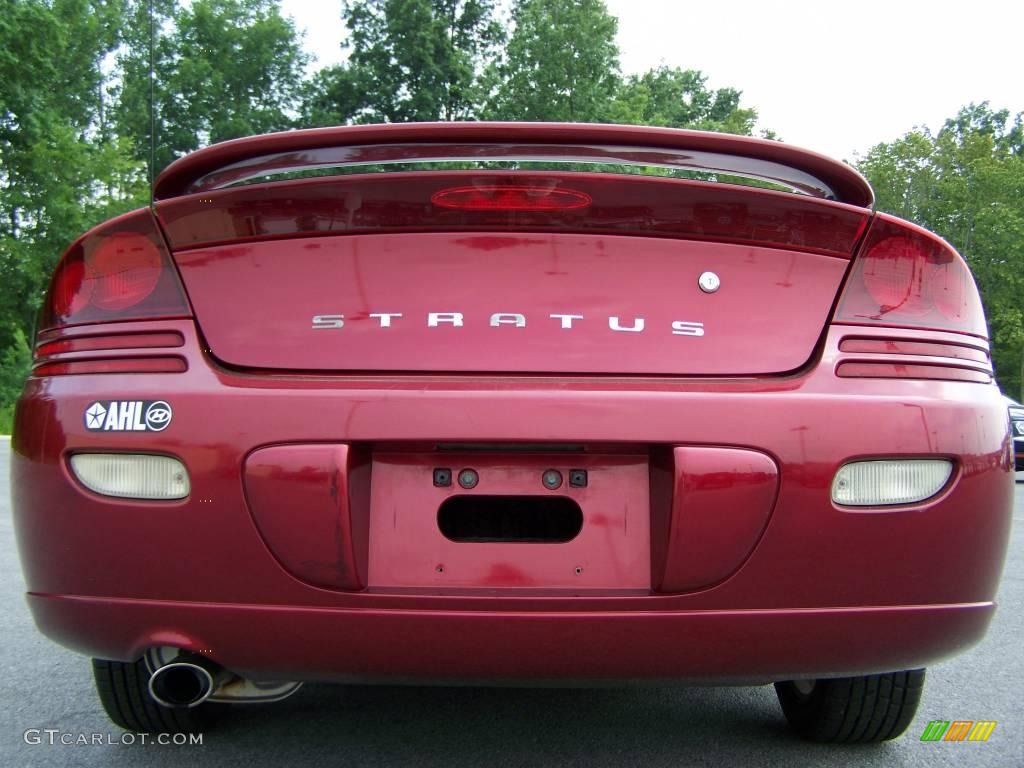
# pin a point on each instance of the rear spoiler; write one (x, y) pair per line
(238, 160)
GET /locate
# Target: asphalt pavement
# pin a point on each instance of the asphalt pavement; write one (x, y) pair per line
(46, 687)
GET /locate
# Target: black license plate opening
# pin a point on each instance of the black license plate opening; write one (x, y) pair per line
(522, 519)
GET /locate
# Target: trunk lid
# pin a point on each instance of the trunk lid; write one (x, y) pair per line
(510, 303)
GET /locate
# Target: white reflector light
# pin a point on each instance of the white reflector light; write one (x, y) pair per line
(902, 481)
(131, 475)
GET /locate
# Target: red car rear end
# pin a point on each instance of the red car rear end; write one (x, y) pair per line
(528, 412)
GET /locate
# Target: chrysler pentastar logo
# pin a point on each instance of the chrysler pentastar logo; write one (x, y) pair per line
(560, 321)
(95, 415)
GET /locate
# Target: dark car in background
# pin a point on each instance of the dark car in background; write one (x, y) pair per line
(1017, 430)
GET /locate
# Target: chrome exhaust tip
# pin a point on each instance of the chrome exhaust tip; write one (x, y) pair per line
(184, 682)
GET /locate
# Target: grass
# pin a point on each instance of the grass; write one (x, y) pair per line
(6, 418)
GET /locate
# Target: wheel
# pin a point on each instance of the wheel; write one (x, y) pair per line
(864, 709)
(123, 689)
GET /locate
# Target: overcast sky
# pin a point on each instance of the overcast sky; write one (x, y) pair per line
(835, 77)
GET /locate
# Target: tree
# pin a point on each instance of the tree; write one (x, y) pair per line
(680, 98)
(60, 171)
(224, 69)
(75, 138)
(335, 95)
(410, 60)
(902, 175)
(966, 183)
(561, 64)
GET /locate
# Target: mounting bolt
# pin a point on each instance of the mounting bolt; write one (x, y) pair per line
(552, 479)
(578, 478)
(442, 477)
(468, 478)
(579, 570)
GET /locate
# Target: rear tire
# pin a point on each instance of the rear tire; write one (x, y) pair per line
(865, 709)
(123, 689)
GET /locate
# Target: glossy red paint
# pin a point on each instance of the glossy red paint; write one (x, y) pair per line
(924, 560)
(611, 553)
(309, 504)
(284, 560)
(254, 156)
(719, 502)
(586, 647)
(542, 299)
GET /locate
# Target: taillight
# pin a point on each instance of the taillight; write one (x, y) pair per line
(907, 277)
(508, 197)
(118, 271)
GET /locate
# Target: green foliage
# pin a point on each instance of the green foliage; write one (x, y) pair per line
(966, 183)
(561, 63)
(680, 98)
(334, 96)
(443, 60)
(6, 418)
(14, 365)
(223, 69)
(409, 60)
(61, 170)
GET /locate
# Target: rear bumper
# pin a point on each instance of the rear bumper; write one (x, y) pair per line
(825, 590)
(728, 646)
